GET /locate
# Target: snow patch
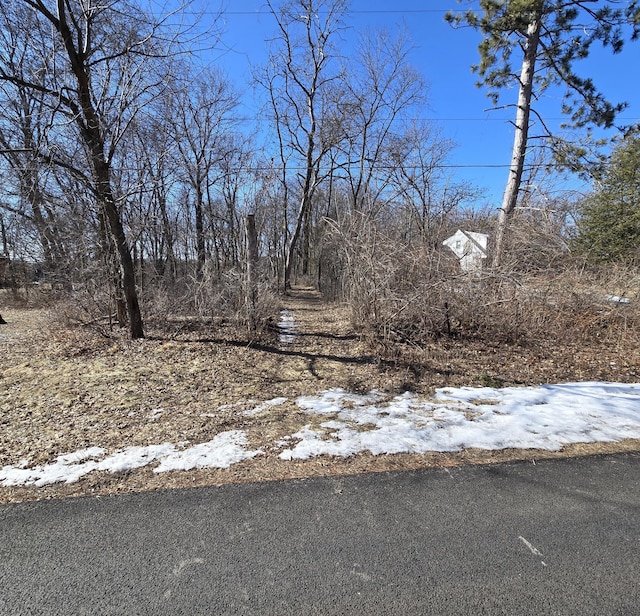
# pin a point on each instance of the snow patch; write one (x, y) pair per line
(545, 417)
(68, 467)
(222, 451)
(225, 449)
(287, 327)
(264, 406)
(154, 414)
(616, 299)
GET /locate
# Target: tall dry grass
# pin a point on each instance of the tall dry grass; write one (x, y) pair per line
(415, 291)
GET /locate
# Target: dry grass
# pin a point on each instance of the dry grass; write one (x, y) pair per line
(63, 389)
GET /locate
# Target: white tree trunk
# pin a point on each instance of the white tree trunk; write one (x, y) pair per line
(516, 168)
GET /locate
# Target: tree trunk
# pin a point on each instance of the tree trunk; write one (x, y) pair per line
(90, 127)
(252, 263)
(127, 269)
(199, 220)
(167, 234)
(525, 90)
(307, 195)
(5, 242)
(293, 243)
(306, 243)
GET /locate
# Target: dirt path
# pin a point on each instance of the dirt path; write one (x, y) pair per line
(333, 352)
(317, 324)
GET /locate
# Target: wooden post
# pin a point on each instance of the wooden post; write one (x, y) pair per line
(4, 262)
(252, 262)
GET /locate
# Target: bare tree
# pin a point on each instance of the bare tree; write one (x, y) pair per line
(202, 121)
(25, 120)
(381, 86)
(236, 176)
(252, 263)
(100, 64)
(421, 180)
(97, 56)
(157, 170)
(301, 71)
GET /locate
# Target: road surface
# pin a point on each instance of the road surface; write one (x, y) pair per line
(556, 537)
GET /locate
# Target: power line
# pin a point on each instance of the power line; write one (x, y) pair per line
(381, 167)
(251, 168)
(353, 12)
(419, 119)
(373, 11)
(263, 13)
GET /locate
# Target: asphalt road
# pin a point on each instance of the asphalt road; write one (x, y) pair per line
(556, 537)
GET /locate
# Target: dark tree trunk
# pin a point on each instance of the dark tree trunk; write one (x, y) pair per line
(91, 130)
(127, 270)
(200, 244)
(252, 264)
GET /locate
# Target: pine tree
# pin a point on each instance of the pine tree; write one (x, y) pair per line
(550, 35)
(609, 227)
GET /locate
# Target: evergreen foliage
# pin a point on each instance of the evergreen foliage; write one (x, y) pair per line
(569, 31)
(609, 228)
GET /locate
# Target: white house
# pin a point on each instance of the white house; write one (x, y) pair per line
(469, 247)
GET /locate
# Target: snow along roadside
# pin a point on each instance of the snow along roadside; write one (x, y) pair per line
(545, 417)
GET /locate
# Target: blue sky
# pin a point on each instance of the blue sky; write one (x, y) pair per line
(443, 55)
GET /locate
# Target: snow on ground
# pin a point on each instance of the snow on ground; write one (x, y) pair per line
(225, 449)
(544, 417)
(287, 327)
(616, 299)
(222, 451)
(265, 406)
